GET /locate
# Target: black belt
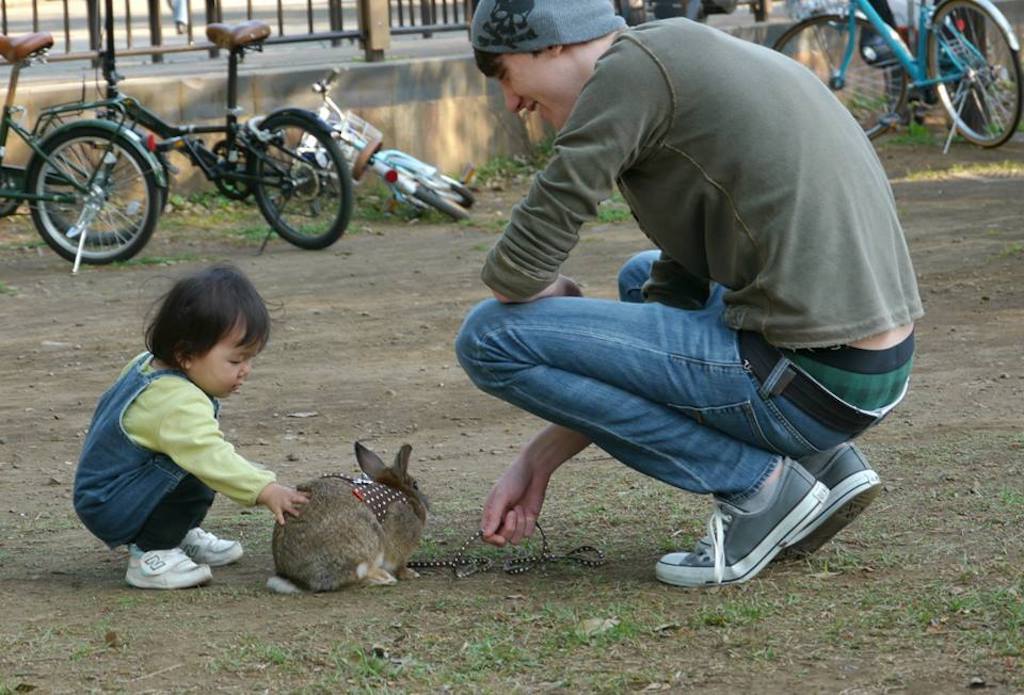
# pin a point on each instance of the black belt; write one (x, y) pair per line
(802, 390)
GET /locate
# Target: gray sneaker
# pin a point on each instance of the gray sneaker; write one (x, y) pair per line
(852, 485)
(741, 544)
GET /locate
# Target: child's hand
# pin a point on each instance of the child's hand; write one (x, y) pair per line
(281, 500)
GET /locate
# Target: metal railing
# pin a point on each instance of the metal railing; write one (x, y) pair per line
(640, 11)
(147, 27)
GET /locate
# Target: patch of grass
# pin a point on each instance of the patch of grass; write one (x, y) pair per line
(252, 232)
(1014, 250)
(7, 289)
(253, 654)
(1008, 496)
(157, 260)
(614, 210)
(210, 199)
(1004, 169)
(503, 168)
(916, 134)
(739, 612)
(375, 203)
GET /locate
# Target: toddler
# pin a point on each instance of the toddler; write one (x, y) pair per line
(155, 456)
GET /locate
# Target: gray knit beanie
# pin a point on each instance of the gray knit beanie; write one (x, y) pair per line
(524, 26)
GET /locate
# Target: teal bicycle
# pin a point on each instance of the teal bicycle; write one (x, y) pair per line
(967, 57)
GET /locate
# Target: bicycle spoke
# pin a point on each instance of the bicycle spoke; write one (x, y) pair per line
(300, 189)
(979, 77)
(114, 207)
(871, 87)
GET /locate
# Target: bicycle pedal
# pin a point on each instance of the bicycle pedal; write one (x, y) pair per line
(889, 120)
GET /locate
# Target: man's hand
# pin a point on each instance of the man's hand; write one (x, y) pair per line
(511, 510)
(281, 500)
(561, 287)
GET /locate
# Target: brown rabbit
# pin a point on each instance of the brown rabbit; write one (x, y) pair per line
(352, 531)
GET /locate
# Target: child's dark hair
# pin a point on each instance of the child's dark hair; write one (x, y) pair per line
(200, 309)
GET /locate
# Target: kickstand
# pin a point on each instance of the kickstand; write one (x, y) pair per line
(952, 127)
(270, 232)
(78, 254)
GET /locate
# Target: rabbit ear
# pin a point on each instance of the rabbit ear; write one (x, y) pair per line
(402, 459)
(369, 462)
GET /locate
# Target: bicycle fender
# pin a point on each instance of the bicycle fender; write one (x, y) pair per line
(300, 113)
(130, 136)
(1000, 19)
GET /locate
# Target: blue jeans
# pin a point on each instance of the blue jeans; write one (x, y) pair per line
(663, 390)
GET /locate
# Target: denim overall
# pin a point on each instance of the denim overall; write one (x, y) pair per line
(118, 483)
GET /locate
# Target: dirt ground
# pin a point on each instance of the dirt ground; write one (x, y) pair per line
(924, 594)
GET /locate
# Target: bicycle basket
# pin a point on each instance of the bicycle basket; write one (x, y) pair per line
(357, 132)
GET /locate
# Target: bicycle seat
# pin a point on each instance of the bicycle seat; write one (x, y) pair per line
(16, 48)
(232, 36)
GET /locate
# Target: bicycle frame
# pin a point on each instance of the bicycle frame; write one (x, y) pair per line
(915, 65)
(30, 138)
(173, 136)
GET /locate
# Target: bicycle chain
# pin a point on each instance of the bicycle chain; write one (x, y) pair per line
(463, 567)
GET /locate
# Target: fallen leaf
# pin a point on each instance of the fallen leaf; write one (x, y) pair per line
(112, 640)
(303, 413)
(596, 626)
(825, 574)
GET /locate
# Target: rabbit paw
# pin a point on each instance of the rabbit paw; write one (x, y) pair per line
(380, 577)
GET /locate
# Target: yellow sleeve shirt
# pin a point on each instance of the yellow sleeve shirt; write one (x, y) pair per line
(173, 416)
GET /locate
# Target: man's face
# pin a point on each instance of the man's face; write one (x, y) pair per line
(543, 83)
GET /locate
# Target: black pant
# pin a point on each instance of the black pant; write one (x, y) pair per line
(180, 511)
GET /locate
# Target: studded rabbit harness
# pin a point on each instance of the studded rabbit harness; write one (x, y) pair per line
(374, 495)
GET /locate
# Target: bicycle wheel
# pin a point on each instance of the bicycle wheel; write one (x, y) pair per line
(303, 189)
(874, 88)
(121, 211)
(465, 197)
(980, 88)
(431, 198)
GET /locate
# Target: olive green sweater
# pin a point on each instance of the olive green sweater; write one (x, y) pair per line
(743, 168)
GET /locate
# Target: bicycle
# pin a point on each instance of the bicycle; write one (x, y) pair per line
(410, 180)
(967, 55)
(287, 159)
(89, 182)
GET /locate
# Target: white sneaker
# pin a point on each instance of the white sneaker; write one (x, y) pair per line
(206, 549)
(164, 569)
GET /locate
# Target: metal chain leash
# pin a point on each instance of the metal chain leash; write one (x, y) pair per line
(461, 566)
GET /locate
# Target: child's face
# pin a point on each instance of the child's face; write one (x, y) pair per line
(221, 371)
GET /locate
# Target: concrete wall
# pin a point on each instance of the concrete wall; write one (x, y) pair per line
(441, 110)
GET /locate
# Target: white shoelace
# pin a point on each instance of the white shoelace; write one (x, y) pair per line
(716, 534)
